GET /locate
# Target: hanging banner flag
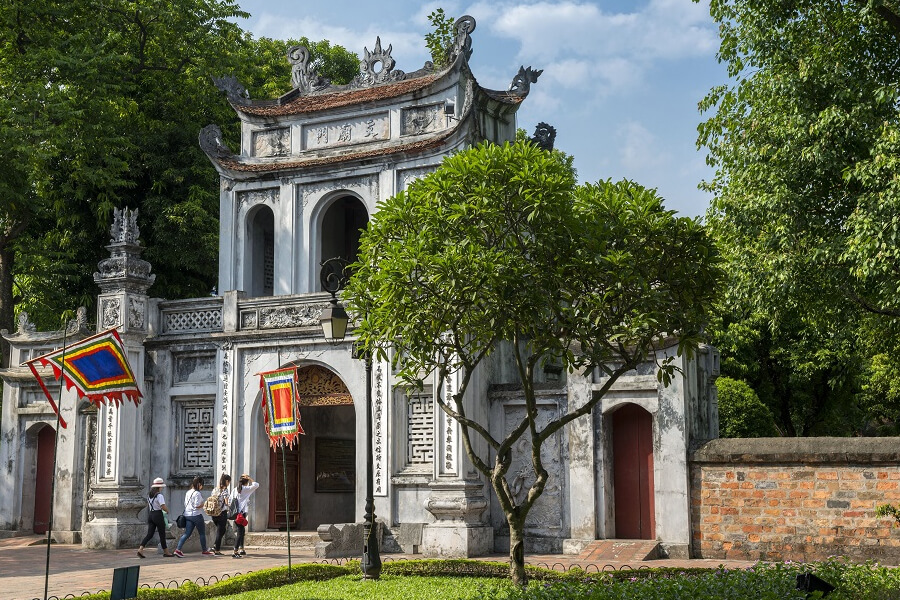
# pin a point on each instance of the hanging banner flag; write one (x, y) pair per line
(97, 367)
(279, 398)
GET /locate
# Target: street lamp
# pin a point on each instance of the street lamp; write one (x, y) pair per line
(334, 319)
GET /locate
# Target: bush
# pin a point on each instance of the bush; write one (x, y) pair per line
(741, 413)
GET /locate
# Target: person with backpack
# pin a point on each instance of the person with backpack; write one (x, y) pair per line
(216, 506)
(193, 514)
(156, 520)
(245, 488)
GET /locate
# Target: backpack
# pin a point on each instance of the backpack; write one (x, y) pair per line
(233, 508)
(212, 506)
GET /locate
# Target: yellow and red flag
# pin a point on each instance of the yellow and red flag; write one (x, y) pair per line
(279, 398)
(97, 367)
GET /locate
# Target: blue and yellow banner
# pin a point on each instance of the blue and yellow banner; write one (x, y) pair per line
(279, 398)
(97, 367)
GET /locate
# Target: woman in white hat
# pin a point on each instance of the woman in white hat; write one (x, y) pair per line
(156, 522)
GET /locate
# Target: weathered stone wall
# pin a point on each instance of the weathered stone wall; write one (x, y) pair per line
(795, 499)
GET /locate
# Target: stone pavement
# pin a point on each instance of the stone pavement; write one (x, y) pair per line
(74, 571)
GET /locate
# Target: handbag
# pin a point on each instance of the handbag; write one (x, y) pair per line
(181, 521)
(241, 520)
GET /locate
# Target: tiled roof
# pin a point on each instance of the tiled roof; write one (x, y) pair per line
(317, 102)
(505, 97)
(411, 148)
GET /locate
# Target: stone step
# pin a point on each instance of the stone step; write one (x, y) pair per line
(300, 540)
(620, 551)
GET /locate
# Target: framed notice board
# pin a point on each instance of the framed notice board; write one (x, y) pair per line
(335, 465)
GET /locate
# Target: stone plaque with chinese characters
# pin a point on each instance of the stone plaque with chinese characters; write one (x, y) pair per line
(347, 132)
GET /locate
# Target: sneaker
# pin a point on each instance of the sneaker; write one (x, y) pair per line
(235, 555)
(208, 553)
(242, 553)
(179, 553)
(217, 553)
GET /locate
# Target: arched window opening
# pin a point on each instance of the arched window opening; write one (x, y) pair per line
(260, 274)
(342, 225)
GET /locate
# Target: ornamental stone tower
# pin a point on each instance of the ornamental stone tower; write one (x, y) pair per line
(117, 483)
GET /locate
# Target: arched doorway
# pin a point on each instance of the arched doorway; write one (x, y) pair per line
(259, 261)
(319, 470)
(632, 433)
(43, 479)
(343, 223)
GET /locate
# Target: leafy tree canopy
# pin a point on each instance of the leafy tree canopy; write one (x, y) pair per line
(805, 146)
(741, 414)
(499, 246)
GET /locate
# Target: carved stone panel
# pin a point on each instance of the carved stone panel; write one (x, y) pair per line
(111, 312)
(545, 516)
(407, 176)
(254, 197)
(347, 132)
(417, 120)
(290, 316)
(272, 142)
(136, 312)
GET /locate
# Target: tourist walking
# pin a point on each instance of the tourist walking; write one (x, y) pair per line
(193, 515)
(156, 519)
(222, 496)
(245, 488)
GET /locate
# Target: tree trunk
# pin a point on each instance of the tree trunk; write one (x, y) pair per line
(7, 310)
(517, 550)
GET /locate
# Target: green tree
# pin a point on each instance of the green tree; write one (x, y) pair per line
(804, 143)
(741, 413)
(499, 246)
(100, 106)
(441, 37)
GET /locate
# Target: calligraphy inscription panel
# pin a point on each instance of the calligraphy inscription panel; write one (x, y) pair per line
(347, 132)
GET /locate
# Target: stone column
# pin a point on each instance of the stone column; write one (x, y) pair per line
(582, 497)
(121, 477)
(457, 499)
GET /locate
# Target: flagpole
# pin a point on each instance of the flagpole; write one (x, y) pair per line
(53, 473)
(287, 512)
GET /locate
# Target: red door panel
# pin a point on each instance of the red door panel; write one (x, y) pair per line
(277, 517)
(633, 473)
(43, 481)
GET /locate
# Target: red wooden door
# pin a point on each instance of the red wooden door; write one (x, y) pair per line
(277, 517)
(43, 480)
(633, 473)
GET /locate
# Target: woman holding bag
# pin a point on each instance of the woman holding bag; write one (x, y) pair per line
(193, 514)
(156, 519)
(245, 488)
(221, 520)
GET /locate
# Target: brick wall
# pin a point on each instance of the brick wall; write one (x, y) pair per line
(795, 499)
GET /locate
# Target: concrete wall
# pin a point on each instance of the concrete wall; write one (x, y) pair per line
(795, 499)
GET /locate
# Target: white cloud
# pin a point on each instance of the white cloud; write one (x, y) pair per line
(639, 148)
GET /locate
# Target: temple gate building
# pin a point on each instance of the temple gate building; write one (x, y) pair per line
(310, 171)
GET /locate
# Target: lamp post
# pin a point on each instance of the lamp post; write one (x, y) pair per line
(334, 320)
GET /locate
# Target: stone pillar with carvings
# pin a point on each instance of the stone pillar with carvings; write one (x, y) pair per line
(458, 498)
(119, 480)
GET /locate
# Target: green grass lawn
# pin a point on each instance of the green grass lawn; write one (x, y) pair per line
(401, 587)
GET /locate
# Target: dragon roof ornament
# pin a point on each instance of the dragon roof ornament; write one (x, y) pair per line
(521, 83)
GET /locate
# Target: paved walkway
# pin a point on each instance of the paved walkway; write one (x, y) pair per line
(75, 571)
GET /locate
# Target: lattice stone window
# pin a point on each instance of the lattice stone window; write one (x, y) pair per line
(195, 435)
(415, 411)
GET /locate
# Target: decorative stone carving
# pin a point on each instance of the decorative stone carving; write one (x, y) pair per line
(521, 83)
(79, 323)
(206, 319)
(464, 26)
(544, 136)
(318, 386)
(254, 197)
(407, 176)
(136, 311)
(124, 228)
(23, 325)
(417, 120)
(358, 130)
(124, 270)
(272, 142)
(111, 312)
(377, 66)
(369, 183)
(303, 75)
(211, 142)
(249, 319)
(234, 89)
(290, 316)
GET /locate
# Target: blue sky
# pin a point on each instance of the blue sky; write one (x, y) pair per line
(621, 79)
